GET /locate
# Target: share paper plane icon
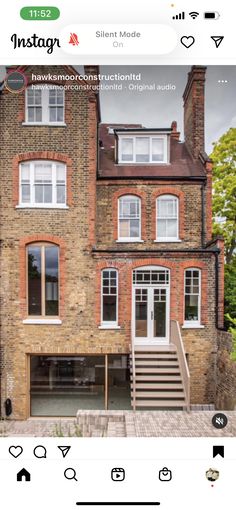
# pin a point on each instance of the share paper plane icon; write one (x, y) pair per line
(217, 39)
(64, 450)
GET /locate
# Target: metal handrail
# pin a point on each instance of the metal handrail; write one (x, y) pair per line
(134, 374)
(177, 340)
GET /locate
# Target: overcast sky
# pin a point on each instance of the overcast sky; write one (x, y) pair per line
(159, 108)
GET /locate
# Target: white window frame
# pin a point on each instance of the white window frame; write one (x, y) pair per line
(144, 135)
(110, 324)
(130, 239)
(194, 323)
(167, 239)
(45, 108)
(32, 203)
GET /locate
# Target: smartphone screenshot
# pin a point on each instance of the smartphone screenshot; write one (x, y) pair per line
(118, 255)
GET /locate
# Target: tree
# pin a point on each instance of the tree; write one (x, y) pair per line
(224, 190)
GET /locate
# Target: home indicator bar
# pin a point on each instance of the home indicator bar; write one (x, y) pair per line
(123, 503)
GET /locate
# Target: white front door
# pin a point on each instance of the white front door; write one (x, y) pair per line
(151, 314)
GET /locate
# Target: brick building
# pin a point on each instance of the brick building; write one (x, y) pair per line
(112, 287)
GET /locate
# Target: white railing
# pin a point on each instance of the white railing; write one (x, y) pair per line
(176, 339)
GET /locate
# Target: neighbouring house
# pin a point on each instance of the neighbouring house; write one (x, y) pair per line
(112, 285)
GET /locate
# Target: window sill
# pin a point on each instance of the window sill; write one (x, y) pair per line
(143, 163)
(42, 321)
(41, 206)
(167, 240)
(112, 326)
(193, 326)
(129, 241)
(53, 124)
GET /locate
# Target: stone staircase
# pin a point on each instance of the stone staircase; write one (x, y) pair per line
(160, 377)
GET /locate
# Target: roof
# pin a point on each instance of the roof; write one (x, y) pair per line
(181, 163)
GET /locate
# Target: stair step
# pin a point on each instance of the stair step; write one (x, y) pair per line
(156, 378)
(159, 355)
(160, 403)
(155, 348)
(158, 394)
(157, 386)
(154, 363)
(161, 370)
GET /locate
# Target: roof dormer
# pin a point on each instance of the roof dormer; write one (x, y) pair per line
(142, 146)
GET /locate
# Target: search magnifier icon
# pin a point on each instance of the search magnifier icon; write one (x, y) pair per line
(70, 474)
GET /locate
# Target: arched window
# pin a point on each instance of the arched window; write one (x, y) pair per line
(192, 296)
(45, 106)
(109, 295)
(42, 183)
(167, 218)
(129, 218)
(43, 280)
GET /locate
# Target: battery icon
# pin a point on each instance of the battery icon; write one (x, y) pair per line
(211, 15)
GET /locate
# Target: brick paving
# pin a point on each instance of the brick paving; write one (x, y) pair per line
(123, 424)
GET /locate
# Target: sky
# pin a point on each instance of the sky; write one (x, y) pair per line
(160, 108)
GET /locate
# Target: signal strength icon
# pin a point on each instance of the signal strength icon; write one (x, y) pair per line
(181, 15)
(194, 14)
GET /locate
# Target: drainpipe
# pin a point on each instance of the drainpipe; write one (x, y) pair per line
(203, 232)
(216, 287)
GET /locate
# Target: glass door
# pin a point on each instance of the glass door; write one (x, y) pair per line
(151, 315)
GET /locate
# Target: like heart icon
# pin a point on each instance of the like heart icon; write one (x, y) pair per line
(187, 41)
(15, 451)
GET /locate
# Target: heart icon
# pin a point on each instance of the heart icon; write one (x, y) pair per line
(187, 41)
(15, 451)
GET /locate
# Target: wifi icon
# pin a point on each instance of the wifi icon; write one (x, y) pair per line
(194, 14)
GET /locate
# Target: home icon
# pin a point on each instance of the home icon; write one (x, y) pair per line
(23, 475)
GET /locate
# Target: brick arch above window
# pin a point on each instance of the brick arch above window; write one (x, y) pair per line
(133, 192)
(169, 190)
(41, 155)
(34, 239)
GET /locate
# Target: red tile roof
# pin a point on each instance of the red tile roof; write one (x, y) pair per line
(181, 163)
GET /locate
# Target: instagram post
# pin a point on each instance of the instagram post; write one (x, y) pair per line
(118, 251)
(117, 255)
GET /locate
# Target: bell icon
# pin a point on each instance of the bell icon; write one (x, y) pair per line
(74, 39)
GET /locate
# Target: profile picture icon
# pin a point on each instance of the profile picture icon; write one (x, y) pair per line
(212, 475)
(15, 82)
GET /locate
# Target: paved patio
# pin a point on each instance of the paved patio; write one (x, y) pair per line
(123, 424)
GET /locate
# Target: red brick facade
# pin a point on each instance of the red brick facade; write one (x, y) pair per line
(87, 233)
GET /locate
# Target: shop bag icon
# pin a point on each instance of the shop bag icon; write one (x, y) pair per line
(165, 475)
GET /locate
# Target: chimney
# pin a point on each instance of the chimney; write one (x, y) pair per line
(194, 98)
(174, 133)
(92, 71)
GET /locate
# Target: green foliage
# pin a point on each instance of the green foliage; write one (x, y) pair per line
(230, 289)
(232, 330)
(224, 186)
